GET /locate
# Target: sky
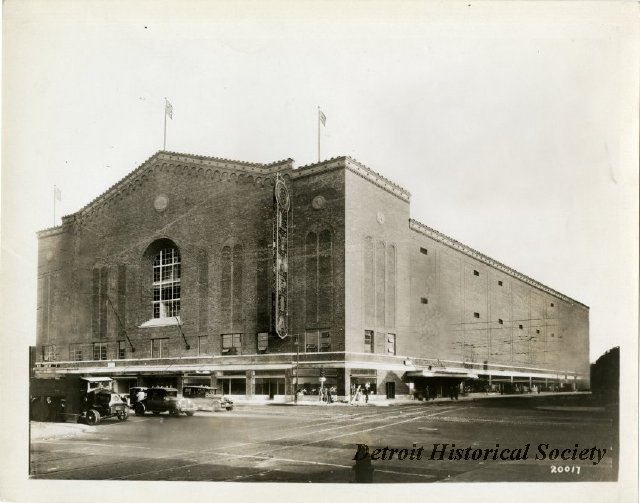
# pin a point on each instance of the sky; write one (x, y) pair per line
(513, 124)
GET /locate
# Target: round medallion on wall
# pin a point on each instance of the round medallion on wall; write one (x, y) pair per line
(318, 202)
(380, 217)
(160, 203)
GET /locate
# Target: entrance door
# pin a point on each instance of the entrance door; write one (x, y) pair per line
(391, 390)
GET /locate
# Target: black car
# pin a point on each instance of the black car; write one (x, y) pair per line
(159, 400)
(101, 404)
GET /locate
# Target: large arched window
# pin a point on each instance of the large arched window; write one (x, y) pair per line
(166, 283)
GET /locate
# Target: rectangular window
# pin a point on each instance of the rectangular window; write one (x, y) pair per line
(499, 283)
(231, 344)
(552, 304)
(325, 341)
(368, 341)
(424, 300)
(49, 353)
(424, 251)
(500, 321)
(263, 342)
(75, 352)
(537, 331)
(160, 348)
(476, 315)
(520, 327)
(391, 344)
(99, 350)
(317, 341)
(476, 273)
(166, 283)
(203, 344)
(122, 350)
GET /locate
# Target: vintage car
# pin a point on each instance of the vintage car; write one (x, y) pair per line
(207, 398)
(102, 404)
(75, 398)
(159, 400)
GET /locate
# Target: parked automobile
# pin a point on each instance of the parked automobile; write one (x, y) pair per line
(207, 398)
(75, 398)
(102, 404)
(159, 400)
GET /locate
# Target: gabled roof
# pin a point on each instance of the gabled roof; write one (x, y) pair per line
(174, 159)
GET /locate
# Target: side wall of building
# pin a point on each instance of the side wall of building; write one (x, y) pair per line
(468, 311)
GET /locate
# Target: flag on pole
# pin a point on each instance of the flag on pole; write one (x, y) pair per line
(57, 194)
(168, 108)
(322, 117)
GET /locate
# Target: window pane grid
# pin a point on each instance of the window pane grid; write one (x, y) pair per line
(232, 344)
(166, 284)
(317, 341)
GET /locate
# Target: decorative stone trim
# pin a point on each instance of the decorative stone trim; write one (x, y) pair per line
(186, 165)
(359, 169)
(416, 226)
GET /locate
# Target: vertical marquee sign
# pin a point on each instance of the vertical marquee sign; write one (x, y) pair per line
(281, 203)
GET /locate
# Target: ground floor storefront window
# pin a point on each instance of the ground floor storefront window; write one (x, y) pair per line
(269, 386)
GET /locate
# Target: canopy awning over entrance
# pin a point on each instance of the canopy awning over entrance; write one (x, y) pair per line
(443, 372)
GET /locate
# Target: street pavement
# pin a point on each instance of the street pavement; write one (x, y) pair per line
(317, 443)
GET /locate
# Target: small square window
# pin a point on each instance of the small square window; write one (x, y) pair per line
(499, 283)
(476, 315)
(537, 331)
(476, 273)
(552, 304)
(424, 251)
(500, 321)
(520, 327)
(553, 335)
(424, 300)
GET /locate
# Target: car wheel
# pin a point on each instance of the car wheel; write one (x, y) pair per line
(139, 410)
(93, 417)
(229, 408)
(190, 413)
(122, 416)
(175, 412)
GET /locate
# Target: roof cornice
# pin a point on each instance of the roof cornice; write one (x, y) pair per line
(175, 161)
(357, 168)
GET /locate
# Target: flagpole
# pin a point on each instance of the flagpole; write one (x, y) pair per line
(318, 134)
(54, 205)
(164, 144)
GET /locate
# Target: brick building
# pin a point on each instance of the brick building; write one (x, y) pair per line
(260, 279)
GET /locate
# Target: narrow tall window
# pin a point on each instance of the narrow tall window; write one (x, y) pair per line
(75, 352)
(122, 350)
(263, 342)
(99, 351)
(159, 348)
(391, 344)
(166, 283)
(203, 344)
(368, 341)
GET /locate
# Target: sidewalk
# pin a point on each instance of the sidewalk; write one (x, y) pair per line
(48, 431)
(384, 402)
